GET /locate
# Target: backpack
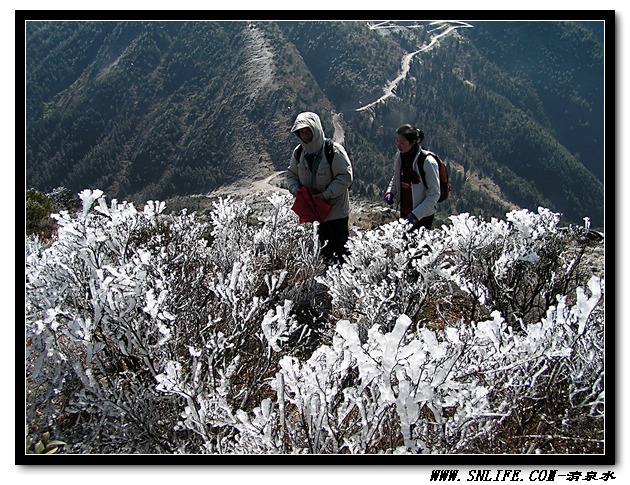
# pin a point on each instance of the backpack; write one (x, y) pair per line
(445, 185)
(329, 150)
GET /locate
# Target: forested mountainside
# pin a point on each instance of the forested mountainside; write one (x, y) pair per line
(152, 110)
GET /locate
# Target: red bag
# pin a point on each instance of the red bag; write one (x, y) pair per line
(309, 208)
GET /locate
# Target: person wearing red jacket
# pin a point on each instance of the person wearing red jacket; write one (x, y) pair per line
(329, 182)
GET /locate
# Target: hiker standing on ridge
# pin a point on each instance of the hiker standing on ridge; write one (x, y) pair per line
(418, 199)
(320, 168)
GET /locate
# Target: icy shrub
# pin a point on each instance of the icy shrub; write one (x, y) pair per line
(440, 392)
(125, 308)
(143, 337)
(518, 266)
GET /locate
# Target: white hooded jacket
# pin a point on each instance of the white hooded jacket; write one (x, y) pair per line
(331, 180)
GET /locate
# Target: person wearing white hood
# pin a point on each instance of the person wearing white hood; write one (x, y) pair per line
(309, 167)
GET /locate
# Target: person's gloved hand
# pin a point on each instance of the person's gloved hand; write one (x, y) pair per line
(411, 218)
(389, 198)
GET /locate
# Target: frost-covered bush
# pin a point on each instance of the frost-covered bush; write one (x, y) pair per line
(387, 273)
(439, 392)
(517, 266)
(122, 301)
(106, 305)
(142, 336)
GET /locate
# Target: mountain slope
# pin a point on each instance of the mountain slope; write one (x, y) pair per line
(148, 110)
(164, 109)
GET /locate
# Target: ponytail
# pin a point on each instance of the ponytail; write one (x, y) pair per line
(411, 133)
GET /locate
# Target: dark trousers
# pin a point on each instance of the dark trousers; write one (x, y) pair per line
(425, 222)
(336, 233)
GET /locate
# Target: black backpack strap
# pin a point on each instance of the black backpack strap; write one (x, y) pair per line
(329, 150)
(423, 155)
